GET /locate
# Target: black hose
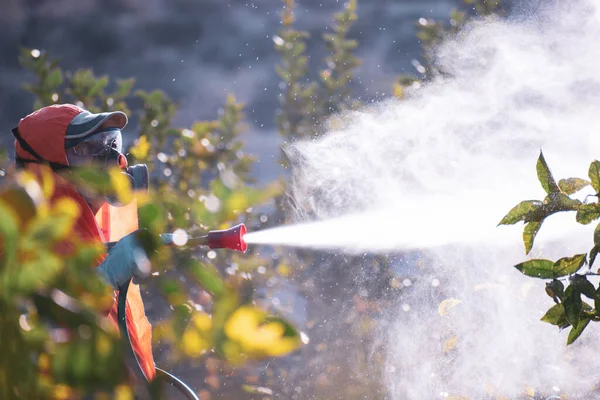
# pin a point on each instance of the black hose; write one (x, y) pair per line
(162, 375)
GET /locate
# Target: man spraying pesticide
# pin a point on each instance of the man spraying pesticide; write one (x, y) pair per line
(66, 137)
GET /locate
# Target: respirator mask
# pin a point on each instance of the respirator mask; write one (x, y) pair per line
(104, 148)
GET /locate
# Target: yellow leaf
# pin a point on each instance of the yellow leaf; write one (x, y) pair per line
(282, 347)
(283, 270)
(450, 344)
(103, 345)
(237, 202)
(202, 321)
(62, 392)
(44, 362)
(123, 392)
(243, 321)
(398, 90)
(193, 344)
(47, 182)
(140, 148)
(245, 326)
(446, 305)
(530, 391)
(66, 206)
(121, 185)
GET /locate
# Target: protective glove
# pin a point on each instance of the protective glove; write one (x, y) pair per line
(125, 260)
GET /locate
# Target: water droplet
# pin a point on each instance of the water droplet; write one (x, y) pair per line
(180, 237)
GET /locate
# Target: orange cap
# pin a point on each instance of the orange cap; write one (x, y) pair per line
(46, 129)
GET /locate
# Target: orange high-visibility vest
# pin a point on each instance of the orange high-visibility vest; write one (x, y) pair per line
(114, 223)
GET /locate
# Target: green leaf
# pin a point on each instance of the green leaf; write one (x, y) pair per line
(545, 176)
(537, 268)
(573, 305)
(521, 211)
(593, 255)
(529, 233)
(584, 286)
(594, 174)
(556, 316)
(564, 202)
(55, 78)
(572, 185)
(577, 331)
(207, 276)
(588, 213)
(98, 86)
(257, 390)
(568, 265)
(124, 87)
(555, 289)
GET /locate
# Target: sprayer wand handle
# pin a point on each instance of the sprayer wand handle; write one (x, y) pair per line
(232, 239)
(167, 240)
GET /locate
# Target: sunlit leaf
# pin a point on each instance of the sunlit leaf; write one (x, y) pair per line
(20, 202)
(594, 174)
(545, 176)
(193, 343)
(537, 268)
(122, 186)
(140, 148)
(572, 185)
(521, 211)
(556, 316)
(260, 335)
(529, 232)
(257, 389)
(450, 344)
(568, 265)
(588, 213)
(575, 332)
(447, 305)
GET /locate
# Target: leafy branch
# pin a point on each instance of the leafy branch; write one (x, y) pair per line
(570, 309)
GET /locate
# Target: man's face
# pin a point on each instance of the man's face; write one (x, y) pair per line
(99, 150)
(96, 149)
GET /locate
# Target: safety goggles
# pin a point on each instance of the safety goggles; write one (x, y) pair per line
(99, 144)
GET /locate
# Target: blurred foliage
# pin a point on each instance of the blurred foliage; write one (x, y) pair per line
(55, 343)
(306, 105)
(209, 325)
(568, 277)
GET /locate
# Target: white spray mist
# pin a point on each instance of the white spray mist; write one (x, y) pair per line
(439, 171)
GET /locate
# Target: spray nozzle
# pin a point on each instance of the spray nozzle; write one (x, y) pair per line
(232, 239)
